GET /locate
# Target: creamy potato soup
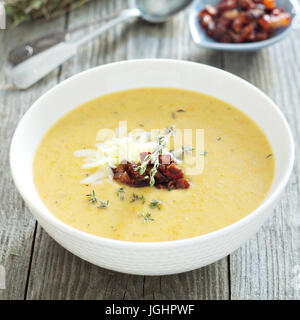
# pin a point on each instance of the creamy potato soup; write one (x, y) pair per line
(76, 171)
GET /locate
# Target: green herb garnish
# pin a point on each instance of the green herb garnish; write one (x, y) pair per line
(136, 197)
(146, 217)
(103, 204)
(142, 198)
(93, 198)
(121, 193)
(155, 204)
(153, 158)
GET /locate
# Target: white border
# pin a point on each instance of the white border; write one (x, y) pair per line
(2, 15)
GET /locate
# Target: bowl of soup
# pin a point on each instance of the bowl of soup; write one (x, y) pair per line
(152, 166)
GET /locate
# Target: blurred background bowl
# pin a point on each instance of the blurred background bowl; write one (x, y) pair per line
(203, 40)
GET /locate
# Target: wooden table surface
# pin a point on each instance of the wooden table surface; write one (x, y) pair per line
(266, 267)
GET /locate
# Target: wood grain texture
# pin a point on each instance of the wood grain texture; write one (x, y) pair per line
(56, 273)
(17, 226)
(266, 266)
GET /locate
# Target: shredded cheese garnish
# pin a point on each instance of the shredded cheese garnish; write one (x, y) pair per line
(112, 152)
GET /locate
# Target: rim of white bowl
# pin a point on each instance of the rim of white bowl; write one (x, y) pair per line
(51, 219)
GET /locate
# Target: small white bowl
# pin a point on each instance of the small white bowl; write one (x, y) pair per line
(156, 258)
(201, 39)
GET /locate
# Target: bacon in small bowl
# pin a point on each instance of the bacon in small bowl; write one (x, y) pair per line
(240, 21)
(241, 25)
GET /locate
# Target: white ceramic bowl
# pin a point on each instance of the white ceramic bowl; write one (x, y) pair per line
(157, 258)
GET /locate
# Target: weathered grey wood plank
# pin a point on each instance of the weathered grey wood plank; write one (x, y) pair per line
(56, 273)
(16, 223)
(265, 267)
(208, 283)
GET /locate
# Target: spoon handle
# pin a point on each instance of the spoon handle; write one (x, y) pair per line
(31, 48)
(34, 69)
(35, 46)
(123, 16)
(37, 67)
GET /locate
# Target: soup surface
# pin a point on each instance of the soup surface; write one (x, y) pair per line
(238, 168)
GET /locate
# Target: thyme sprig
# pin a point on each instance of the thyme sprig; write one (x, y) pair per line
(93, 199)
(103, 204)
(136, 197)
(121, 193)
(155, 204)
(146, 217)
(142, 198)
(153, 158)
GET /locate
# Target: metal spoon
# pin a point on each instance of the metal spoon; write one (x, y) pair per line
(32, 70)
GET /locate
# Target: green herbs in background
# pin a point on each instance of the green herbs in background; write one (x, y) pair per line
(102, 204)
(155, 204)
(146, 217)
(19, 11)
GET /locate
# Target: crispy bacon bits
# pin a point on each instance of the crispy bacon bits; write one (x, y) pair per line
(168, 176)
(239, 21)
